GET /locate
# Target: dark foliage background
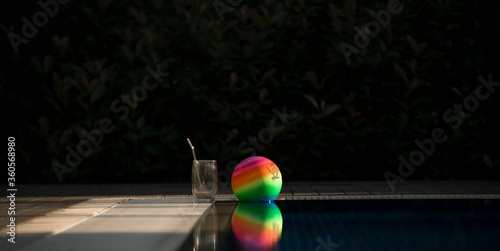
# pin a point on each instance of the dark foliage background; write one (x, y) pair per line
(353, 120)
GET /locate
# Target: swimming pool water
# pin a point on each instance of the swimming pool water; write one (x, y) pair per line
(350, 225)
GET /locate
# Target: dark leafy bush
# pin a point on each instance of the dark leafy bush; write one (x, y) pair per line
(353, 119)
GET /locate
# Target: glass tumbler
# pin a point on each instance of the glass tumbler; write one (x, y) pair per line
(204, 180)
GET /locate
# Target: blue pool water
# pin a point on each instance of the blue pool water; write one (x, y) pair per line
(350, 225)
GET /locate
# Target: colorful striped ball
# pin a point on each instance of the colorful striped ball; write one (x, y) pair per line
(257, 226)
(256, 179)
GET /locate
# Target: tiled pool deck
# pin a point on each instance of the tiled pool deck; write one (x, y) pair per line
(160, 216)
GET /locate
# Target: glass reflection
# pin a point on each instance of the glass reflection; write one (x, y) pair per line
(257, 226)
(205, 232)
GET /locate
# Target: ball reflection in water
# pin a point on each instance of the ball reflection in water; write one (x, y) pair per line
(257, 226)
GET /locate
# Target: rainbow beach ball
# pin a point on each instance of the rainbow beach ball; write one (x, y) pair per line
(256, 179)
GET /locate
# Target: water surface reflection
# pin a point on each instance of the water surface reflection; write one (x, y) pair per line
(257, 226)
(350, 225)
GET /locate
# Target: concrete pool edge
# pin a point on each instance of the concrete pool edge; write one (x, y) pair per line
(393, 197)
(129, 224)
(374, 197)
(52, 223)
